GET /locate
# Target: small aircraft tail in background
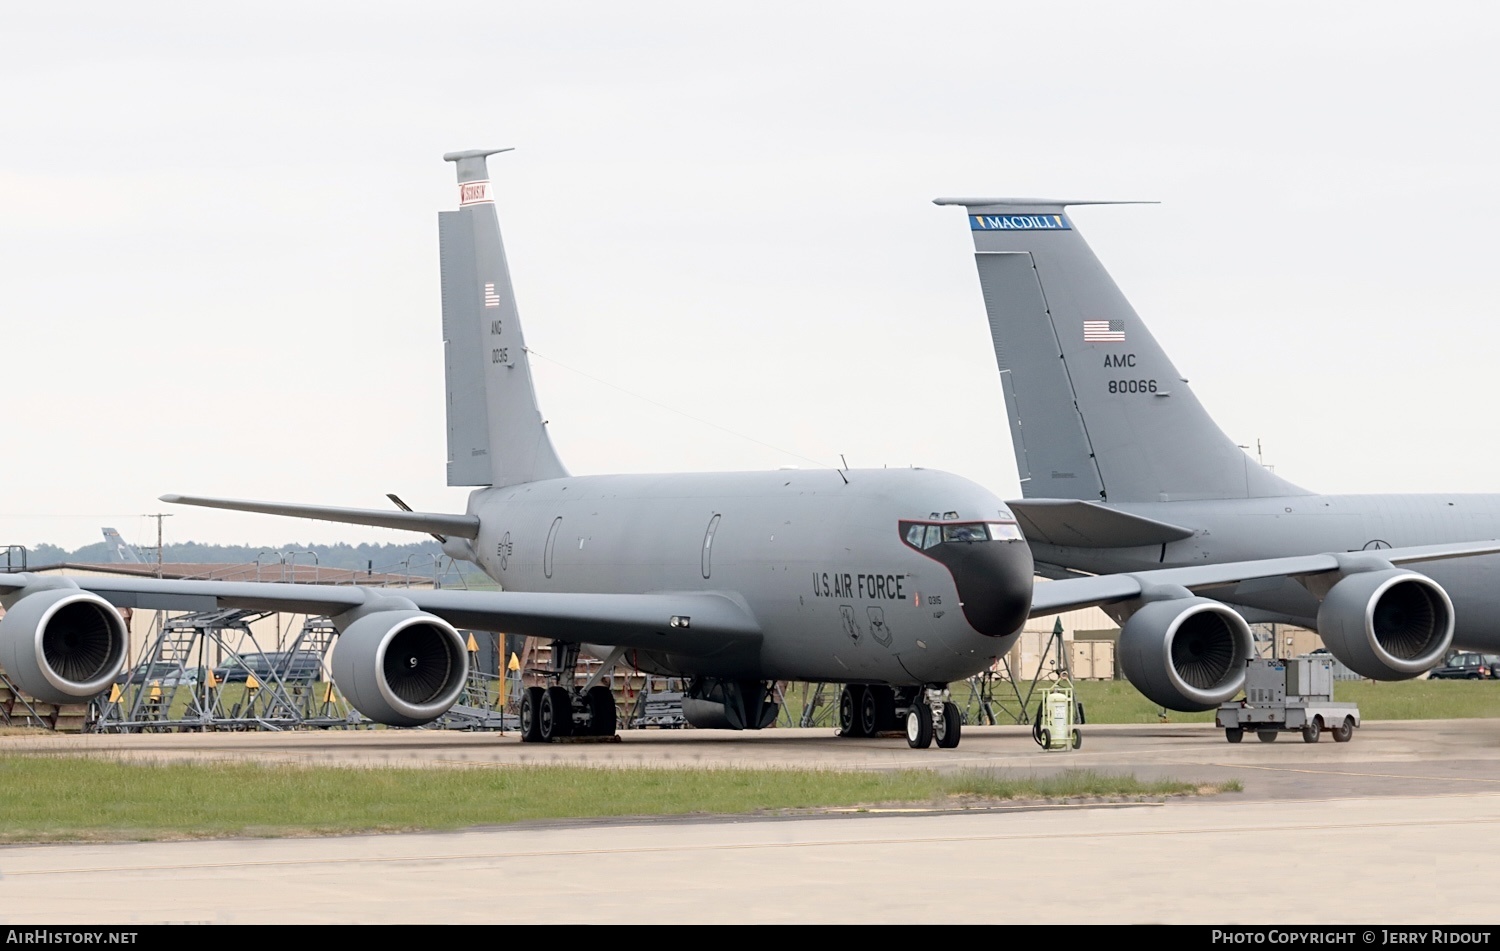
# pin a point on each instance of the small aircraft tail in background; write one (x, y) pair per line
(119, 549)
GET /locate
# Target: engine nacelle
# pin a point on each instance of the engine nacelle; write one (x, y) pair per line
(1387, 625)
(729, 705)
(400, 668)
(62, 644)
(1186, 653)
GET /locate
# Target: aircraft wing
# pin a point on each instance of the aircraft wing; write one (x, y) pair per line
(1069, 594)
(690, 622)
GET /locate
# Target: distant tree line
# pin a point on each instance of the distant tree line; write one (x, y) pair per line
(415, 558)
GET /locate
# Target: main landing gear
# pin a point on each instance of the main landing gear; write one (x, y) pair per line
(549, 713)
(869, 709)
(925, 713)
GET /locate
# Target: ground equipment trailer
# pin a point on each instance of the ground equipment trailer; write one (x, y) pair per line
(1290, 694)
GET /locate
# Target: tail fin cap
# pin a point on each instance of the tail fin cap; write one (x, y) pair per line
(471, 164)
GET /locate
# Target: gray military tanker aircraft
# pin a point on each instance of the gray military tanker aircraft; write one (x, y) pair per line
(1122, 469)
(894, 582)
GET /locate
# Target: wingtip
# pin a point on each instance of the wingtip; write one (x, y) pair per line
(169, 497)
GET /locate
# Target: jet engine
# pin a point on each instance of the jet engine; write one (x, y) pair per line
(62, 644)
(1387, 625)
(1186, 653)
(400, 667)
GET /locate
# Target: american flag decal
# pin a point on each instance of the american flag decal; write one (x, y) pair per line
(491, 299)
(1104, 331)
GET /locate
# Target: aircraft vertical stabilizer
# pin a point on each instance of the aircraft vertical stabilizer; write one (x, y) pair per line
(119, 549)
(496, 434)
(1097, 410)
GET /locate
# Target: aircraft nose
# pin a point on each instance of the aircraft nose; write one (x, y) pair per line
(994, 582)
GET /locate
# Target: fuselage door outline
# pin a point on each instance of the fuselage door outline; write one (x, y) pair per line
(708, 544)
(551, 543)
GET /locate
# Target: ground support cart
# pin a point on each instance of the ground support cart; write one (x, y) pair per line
(1054, 727)
(1294, 694)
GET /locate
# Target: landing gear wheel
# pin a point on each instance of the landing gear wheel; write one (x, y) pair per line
(1344, 732)
(1267, 736)
(885, 707)
(918, 726)
(1077, 739)
(1234, 734)
(556, 717)
(851, 700)
(869, 712)
(1044, 738)
(601, 704)
(531, 720)
(1312, 730)
(947, 737)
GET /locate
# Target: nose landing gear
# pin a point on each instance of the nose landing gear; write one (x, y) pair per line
(932, 716)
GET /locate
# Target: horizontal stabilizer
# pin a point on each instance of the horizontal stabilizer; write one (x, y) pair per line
(1070, 594)
(1073, 523)
(973, 203)
(433, 523)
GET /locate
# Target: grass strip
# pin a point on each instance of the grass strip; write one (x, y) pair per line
(66, 798)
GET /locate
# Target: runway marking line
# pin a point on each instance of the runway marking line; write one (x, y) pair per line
(1341, 772)
(752, 846)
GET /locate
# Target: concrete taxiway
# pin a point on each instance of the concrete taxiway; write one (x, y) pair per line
(1395, 827)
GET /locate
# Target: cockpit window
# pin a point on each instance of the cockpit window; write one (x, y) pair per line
(965, 533)
(925, 535)
(1004, 531)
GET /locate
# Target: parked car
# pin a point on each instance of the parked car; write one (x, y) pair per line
(289, 666)
(1467, 667)
(162, 673)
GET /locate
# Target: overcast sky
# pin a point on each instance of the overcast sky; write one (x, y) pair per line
(218, 236)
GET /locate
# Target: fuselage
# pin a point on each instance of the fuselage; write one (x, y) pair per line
(839, 569)
(1246, 529)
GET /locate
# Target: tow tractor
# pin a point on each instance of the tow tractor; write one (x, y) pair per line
(1288, 694)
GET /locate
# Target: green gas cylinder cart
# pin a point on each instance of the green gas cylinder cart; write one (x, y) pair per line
(1054, 727)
